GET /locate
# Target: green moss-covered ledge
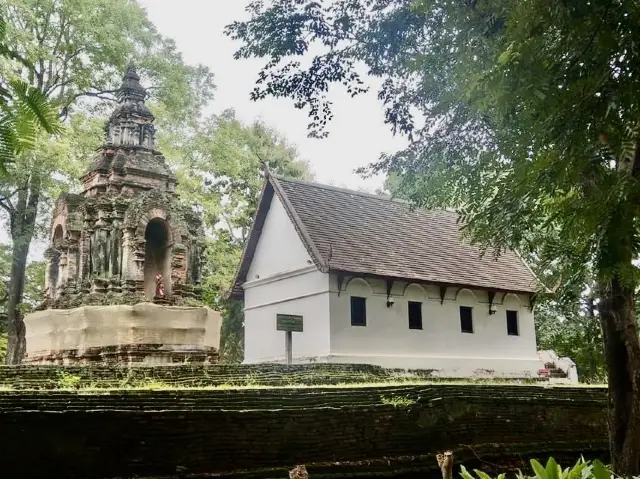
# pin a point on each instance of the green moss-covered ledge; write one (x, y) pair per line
(191, 375)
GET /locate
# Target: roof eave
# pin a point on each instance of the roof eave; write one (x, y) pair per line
(432, 282)
(249, 249)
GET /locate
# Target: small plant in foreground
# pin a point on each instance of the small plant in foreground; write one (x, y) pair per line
(398, 401)
(581, 470)
(68, 381)
(151, 384)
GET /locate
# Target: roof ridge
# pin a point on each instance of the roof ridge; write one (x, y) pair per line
(339, 189)
(387, 198)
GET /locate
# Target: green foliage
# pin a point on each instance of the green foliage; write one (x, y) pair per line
(232, 331)
(68, 381)
(572, 332)
(3, 345)
(581, 470)
(23, 111)
(73, 49)
(219, 167)
(34, 284)
(398, 401)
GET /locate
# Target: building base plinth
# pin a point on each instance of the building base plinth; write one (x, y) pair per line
(144, 333)
(435, 366)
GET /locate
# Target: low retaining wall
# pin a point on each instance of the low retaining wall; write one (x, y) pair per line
(187, 375)
(386, 429)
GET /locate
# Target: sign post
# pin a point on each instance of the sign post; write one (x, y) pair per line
(289, 323)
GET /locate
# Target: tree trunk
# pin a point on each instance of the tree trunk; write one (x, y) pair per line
(22, 219)
(622, 355)
(16, 331)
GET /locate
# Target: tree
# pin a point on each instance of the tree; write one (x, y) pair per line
(220, 165)
(574, 334)
(34, 289)
(523, 115)
(71, 52)
(23, 110)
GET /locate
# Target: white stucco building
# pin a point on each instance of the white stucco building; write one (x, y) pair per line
(378, 283)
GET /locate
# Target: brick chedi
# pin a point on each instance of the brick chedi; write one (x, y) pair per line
(119, 246)
(109, 243)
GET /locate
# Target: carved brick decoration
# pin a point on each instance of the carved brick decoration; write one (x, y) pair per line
(109, 242)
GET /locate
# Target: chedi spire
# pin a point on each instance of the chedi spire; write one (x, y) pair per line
(131, 124)
(131, 90)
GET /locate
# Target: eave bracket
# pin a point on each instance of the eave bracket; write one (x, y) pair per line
(340, 278)
(389, 286)
(443, 292)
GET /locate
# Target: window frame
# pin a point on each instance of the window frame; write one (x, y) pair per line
(417, 326)
(462, 329)
(517, 322)
(364, 311)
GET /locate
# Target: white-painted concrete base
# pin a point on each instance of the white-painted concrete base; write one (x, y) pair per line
(443, 367)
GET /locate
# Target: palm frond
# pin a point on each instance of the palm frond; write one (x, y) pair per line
(33, 105)
(8, 140)
(24, 110)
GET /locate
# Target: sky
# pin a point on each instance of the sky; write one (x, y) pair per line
(358, 134)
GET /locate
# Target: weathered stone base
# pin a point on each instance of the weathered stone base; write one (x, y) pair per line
(118, 293)
(151, 354)
(142, 333)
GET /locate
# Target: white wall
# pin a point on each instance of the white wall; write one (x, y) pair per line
(305, 294)
(283, 280)
(388, 341)
(279, 248)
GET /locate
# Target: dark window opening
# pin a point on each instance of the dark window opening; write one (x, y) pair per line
(358, 311)
(466, 319)
(415, 315)
(512, 323)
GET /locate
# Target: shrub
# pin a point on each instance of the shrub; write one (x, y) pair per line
(68, 381)
(398, 401)
(3, 346)
(581, 470)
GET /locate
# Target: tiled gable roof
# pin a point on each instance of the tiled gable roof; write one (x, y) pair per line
(367, 234)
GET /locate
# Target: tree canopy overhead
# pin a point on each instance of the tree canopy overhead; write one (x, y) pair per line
(523, 115)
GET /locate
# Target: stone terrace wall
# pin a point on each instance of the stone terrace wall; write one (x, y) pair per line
(47, 377)
(390, 429)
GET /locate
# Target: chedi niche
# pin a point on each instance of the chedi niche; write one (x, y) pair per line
(125, 242)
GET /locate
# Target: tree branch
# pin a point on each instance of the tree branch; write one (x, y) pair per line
(8, 208)
(5, 201)
(19, 58)
(95, 94)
